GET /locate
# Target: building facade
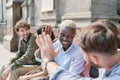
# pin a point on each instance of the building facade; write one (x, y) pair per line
(52, 12)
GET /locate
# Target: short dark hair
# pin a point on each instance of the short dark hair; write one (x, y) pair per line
(100, 36)
(119, 38)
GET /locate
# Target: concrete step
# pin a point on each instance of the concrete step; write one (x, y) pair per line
(5, 56)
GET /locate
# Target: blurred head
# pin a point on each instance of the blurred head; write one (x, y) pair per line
(67, 33)
(22, 28)
(119, 38)
(47, 29)
(99, 39)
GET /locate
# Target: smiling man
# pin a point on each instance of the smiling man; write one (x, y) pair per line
(69, 57)
(25, 54)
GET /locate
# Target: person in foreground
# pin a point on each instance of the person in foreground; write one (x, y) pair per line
(98, 42)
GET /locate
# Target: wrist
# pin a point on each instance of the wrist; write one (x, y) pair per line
(46, 63)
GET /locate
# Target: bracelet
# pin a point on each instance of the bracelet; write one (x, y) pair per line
(48, 62)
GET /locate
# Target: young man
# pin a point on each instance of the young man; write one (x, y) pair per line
(38, 70)
(69, 56)
(98, 42)
(25, 53)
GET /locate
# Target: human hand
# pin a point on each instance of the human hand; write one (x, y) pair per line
(6, 73)
(45, 44)
(23, 77)
(48, 29)
(31, 72)
(41, 78)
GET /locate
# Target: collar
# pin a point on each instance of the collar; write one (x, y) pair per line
(69, 49)
(113, 69)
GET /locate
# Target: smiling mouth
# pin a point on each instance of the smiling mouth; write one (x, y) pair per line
(65, 42)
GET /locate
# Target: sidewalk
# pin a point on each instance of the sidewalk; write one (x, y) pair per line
(5, 56)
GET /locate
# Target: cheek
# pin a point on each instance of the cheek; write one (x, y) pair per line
(28, 31)
(20, 33)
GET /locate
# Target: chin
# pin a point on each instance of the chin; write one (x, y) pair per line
(25, 37)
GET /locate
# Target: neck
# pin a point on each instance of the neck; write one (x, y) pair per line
(65, 49)
(25, 39)
(112, 61)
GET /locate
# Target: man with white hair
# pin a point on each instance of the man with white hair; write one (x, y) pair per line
(69, 56)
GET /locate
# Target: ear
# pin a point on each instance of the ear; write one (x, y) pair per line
(94, 58)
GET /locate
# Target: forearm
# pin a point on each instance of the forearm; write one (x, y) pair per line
(38, 68)
(59, 73)
(27, 57)
(43, 73)
(51, 66)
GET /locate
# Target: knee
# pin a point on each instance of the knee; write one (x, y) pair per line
(16, 71)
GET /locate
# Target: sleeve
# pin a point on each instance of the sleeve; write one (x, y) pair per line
(62, 74)
(77, 64)
(19, 53)
(36, 56)
(29, 54)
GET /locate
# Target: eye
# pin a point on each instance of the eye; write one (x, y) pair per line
(62, 35)
(21, 30)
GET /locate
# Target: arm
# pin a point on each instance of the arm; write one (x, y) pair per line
(43, 73)
(38, 56)
(19, 53)
(59, 73)
(29, 54)
(8, 67)
(34, 70)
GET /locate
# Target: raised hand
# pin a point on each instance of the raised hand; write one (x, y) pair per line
(45, 44)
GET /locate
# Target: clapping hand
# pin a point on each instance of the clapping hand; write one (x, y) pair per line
(45, 44)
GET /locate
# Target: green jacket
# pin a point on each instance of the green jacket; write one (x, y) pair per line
(25, 53)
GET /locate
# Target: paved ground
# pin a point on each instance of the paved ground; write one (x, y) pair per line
(5, 56)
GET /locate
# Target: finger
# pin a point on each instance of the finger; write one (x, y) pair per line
(49, 41)
(46, 29)
(50, 30)
(27, 73)
(45, 40)
(38, 42)
(57, 50)
(42, 30)
(42, 41)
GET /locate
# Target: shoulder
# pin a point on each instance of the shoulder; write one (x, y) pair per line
(77, 51)
(32, 35)
(76, 48)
